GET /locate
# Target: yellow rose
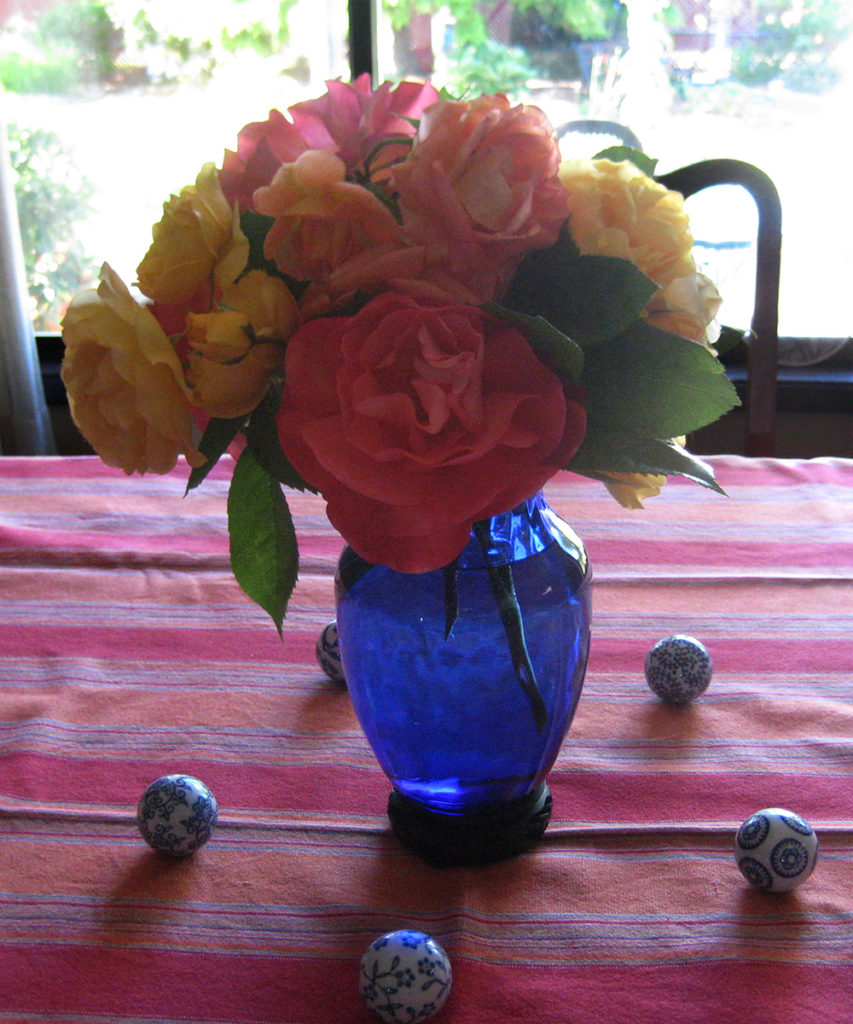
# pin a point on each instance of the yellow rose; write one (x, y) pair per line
(234, 352)
(125, 385)
(197, 231)
(629, 489)
(687, 307)
(616, 210)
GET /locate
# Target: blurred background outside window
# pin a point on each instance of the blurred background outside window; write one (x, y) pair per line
(112, 105)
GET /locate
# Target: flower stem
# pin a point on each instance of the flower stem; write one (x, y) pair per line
(451, 596)
(503, 588)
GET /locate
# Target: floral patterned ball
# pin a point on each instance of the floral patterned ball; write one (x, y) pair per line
(405, 976)
(678, 669)
(776, 850)
(328, 651)
(177, 814)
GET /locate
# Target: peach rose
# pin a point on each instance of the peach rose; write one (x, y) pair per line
(480, 190)
(125, 385)
(323, 223)
(234, 352)
(414, 420)
(198, 230)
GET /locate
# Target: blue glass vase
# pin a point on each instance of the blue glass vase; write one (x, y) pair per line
(467, 723)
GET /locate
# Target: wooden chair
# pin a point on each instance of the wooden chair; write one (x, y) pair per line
(762, 338)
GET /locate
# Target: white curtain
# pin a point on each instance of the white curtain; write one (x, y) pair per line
(24, 420)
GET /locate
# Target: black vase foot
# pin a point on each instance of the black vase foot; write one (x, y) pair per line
(480, 837)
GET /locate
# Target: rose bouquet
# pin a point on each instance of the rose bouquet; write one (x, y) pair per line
(412, 305)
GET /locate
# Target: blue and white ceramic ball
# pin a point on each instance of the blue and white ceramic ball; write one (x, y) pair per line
(678, 669)
(776, 850)
(405, 976)
(177, 814)
(329, 652)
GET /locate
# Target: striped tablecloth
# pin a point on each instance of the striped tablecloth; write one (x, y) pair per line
(128, 652)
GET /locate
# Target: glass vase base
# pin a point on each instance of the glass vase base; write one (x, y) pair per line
(478, 837)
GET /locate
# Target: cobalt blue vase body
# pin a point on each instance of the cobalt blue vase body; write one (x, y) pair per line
(447, 717)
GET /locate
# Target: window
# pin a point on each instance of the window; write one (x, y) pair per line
(765, 81)
(112, 106)
(115, 104)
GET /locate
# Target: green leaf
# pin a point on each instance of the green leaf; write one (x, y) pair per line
(264, 550)
(730, 337)
(587, 298)
(559, 353)
(604, 452)
(255, 227)
(218, 434)
(654, 384)
(262, 438)
(637, 157)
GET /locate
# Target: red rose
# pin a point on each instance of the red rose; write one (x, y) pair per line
(415, 420)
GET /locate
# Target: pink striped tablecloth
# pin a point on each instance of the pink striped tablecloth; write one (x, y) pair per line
(128, 652)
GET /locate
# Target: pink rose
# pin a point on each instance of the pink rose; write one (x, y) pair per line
(415, 420)
(349, 121)
(262, 147)
(480, 190)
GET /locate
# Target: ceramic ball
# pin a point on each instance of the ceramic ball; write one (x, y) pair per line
(405, 975)
(177, 814)
(776, 850)
(678, 669)
(329, 652)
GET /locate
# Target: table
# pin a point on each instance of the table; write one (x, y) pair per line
(127, 652)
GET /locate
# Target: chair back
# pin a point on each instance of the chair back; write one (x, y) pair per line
(610, 131)
(763, 337)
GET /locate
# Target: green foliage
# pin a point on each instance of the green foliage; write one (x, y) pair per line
(588, 298)
(264, 551)
(654, 384)
(52, 200)
(85, 30)
(643, 386)
(640, 160)
(260, 37)
(560, 354)
(72, 44)
(585, 19)
(793, 43)
(197, 55)
(51, 75)
(489, 67)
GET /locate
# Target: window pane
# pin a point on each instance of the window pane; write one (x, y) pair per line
(114, 106)
(765, 81)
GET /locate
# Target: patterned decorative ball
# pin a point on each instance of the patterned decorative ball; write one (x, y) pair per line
(177, 814)
(329, 653)
(405, 976)
(776, 850)
(678, 669)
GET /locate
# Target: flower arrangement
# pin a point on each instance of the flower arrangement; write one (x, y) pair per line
(413, 305)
